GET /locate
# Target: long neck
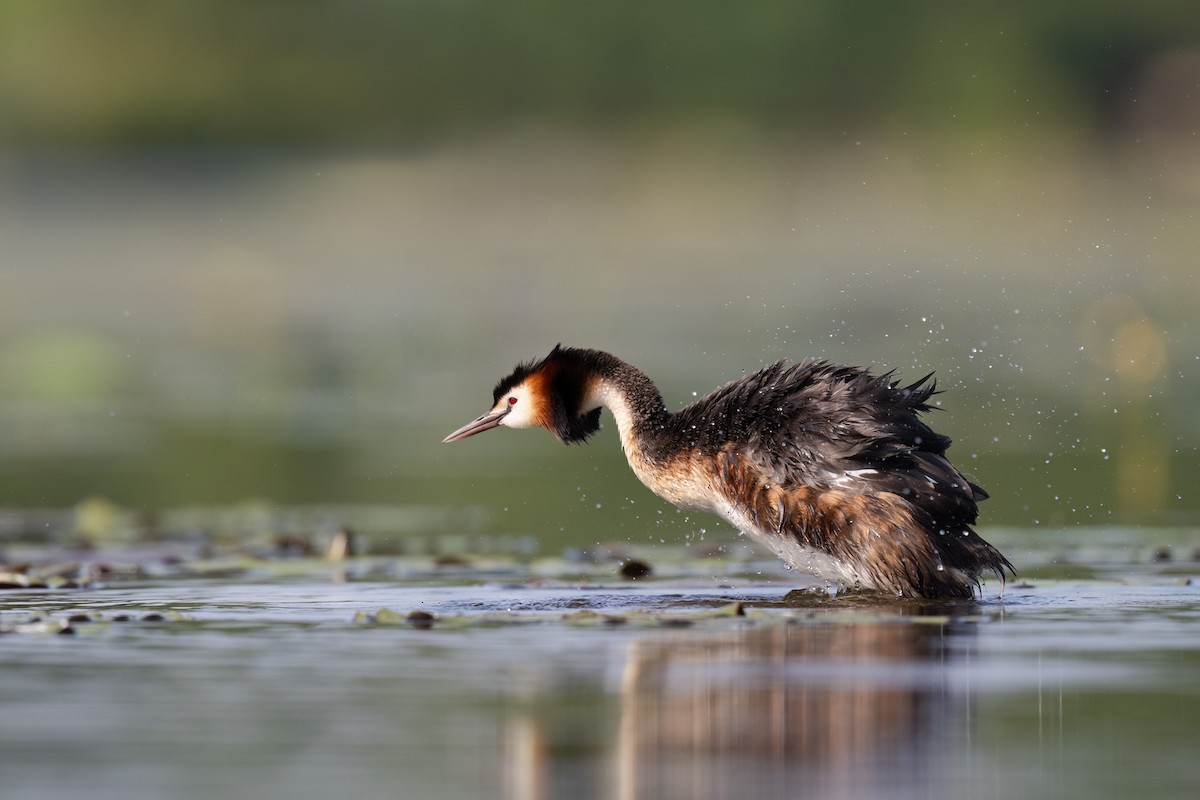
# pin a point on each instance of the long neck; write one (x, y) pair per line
(633, 399)
(646, 426)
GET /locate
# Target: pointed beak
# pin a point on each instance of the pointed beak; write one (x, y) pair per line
(486, 422)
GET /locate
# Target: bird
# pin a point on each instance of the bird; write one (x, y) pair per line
(829, 467)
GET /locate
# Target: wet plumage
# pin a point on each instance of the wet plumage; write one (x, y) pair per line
(830, 467)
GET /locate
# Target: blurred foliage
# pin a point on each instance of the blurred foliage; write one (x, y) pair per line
(367, 71)
(194, 307)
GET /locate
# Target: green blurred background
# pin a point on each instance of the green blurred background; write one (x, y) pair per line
(274, 251)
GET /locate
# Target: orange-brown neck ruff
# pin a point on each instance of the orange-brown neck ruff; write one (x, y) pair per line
(559, 383)
(578, 382)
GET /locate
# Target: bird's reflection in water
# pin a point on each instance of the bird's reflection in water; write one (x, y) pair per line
(832, 709)
(825, 709)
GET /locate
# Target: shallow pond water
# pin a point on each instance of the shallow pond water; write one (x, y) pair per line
(315, 681)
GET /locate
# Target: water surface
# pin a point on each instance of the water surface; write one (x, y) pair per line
(309, 680)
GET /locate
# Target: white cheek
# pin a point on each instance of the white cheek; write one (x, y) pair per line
(522, 413)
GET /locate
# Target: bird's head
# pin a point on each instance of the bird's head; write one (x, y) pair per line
(554, 393)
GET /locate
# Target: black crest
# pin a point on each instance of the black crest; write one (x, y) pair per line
(506, 384)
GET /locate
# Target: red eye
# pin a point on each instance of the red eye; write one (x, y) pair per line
(512, 401)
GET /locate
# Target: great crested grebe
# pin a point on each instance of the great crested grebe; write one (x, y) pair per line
(829, 467)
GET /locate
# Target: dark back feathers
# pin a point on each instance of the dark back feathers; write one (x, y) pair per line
(817, 424)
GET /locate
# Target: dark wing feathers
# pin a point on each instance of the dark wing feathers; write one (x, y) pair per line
(816, 423)
(825, 435)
